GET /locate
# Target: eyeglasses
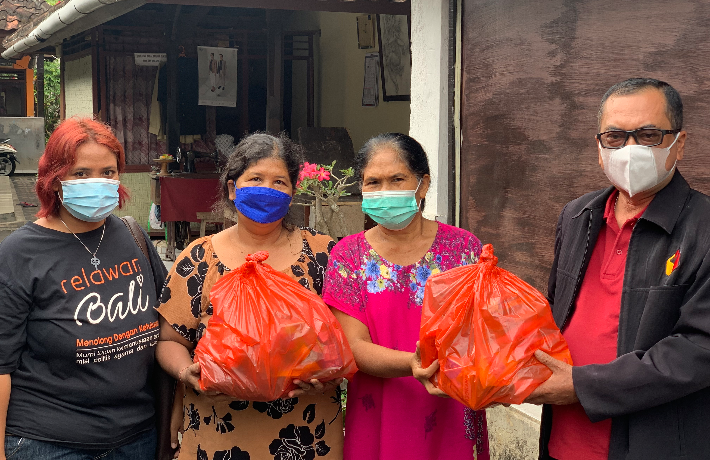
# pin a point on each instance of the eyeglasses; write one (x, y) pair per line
(643, 136)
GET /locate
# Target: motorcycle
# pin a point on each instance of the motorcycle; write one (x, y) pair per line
(8, 158)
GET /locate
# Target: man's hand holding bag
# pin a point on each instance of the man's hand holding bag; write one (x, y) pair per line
(483, 324)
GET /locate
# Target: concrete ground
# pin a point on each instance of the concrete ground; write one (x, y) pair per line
(513, 432)
(5, 197)
(24, 185)
(13, 191)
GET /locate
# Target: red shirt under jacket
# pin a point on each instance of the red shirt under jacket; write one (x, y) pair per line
(592, 337)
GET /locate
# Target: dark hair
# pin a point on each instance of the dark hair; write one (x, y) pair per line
(410, 151)
(250, 150)
(674, 105)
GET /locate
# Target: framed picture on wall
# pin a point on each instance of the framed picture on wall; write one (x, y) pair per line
(365, 31)
(217, 73)
(393, 37)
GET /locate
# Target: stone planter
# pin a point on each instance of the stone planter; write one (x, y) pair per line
(337, 219)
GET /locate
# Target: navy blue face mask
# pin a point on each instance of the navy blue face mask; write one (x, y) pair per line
(262, 204)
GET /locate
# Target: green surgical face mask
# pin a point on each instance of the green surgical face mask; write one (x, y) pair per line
(393, 209)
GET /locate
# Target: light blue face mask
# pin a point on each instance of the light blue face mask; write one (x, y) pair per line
(90, 200)
(393, 209)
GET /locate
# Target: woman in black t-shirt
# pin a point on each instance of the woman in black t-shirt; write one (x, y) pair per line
(78, 329)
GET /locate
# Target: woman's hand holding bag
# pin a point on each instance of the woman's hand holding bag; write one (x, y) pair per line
(267, 331)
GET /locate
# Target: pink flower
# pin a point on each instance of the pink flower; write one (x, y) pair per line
(323, 174)
(309, 171)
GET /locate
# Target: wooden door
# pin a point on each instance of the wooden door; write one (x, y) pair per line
(533, 76)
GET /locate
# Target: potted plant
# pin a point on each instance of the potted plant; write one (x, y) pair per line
(323, 188)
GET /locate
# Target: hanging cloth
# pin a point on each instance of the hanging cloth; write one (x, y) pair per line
(156, 119)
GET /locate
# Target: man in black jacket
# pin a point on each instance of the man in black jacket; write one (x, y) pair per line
(630, 289)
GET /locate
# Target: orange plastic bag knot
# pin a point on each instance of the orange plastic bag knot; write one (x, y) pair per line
(252, 261)
(487, 256)
(258, 256)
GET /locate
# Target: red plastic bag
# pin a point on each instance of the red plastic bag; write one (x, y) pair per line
(266, 331)
(483, 324)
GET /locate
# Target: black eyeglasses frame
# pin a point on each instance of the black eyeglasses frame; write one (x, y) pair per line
(634, 134)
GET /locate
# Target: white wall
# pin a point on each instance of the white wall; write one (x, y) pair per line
(78, 94)
(513, 431)
(429, 109)
(339, 79)
(340, 71)
(513, 434)
(138, 206)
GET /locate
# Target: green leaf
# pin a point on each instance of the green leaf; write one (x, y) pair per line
(51, 94)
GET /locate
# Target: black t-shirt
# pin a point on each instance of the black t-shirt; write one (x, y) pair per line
(78, 342)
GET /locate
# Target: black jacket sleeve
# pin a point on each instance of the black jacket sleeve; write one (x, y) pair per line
(673, 368)
(552, 281)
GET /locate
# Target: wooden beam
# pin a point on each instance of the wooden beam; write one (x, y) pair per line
(274, 73)
(244, 61)
(62, 97)
(136, 168)
(103, 78)
(29, 103)
(229, 31)
(39, 82)
(173, 131)
(135, 28)
(311, 115)
(148, 21)
(353, 6)
(95, 71)
(79, 55)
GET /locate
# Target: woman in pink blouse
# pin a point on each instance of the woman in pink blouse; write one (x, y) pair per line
(375, 285)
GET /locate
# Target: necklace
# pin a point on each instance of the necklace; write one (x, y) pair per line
(94, 260)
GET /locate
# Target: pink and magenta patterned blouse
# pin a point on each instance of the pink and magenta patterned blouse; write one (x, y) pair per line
(396, 418)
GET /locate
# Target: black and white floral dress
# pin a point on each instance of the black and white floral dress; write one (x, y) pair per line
(221, 428)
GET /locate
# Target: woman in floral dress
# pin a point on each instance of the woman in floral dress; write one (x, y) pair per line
(375, 285)
(258, 183)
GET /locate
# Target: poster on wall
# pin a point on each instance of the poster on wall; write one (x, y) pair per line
(370, 89)
(365, 31)
(395, 54)
(218, 76)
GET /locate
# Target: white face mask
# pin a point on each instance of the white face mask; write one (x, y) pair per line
(636, 168)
